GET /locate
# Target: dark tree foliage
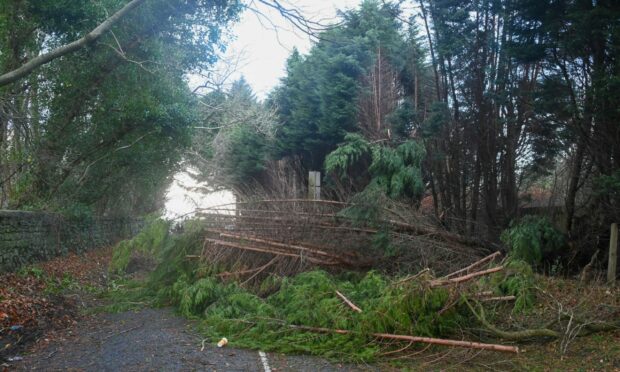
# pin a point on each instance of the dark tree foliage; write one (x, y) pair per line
(508, 97)
(232, 148)
(519, 85)
(318, 100)
(101, 130)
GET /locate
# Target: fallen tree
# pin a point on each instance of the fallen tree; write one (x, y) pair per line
(426, 340)
(270, 285)
(310, 233)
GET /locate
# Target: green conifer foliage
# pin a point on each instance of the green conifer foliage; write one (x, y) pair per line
(394, 171)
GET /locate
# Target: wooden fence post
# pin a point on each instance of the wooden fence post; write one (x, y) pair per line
(314, 185)
(613, 255)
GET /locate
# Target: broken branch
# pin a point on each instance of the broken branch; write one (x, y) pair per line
(474, 265)
(426, 340)
(348, 302)
(465, 278)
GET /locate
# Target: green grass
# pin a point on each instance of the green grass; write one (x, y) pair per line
(53, 285)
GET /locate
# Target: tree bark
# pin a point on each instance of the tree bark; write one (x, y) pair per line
(573, 187)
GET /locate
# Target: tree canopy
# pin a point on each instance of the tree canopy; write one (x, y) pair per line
(101, 130)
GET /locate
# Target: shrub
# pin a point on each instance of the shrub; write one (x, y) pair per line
(395, 171)
(532, 239)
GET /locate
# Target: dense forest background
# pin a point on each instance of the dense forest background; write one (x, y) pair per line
(475, 112)
(478, 112)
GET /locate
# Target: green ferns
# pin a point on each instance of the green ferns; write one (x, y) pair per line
(394, 171)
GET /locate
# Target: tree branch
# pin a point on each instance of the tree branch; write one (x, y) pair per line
(89, 38)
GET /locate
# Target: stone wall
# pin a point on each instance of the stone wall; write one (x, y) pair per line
(28, 237)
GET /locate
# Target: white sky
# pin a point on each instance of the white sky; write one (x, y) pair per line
(181, 202)
(265, 51)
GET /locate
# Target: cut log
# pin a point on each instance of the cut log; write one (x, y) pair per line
(426, 340)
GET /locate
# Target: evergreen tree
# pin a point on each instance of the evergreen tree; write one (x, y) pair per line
(236, 141)
(318, 100)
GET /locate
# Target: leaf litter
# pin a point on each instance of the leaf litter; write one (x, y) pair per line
(40, 303)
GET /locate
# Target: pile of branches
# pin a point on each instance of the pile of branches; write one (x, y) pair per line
(469, 291)
(293, 235)
(456, 280)
(251, 273)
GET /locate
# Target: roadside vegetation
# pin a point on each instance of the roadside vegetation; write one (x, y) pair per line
(298, 313)
(469, 161)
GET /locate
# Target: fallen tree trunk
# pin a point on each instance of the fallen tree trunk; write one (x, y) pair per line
(271, 251)
(426, 340)
(281, 245)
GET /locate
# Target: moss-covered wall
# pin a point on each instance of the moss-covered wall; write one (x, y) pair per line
(28, 237)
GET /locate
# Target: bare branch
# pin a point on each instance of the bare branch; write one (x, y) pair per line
(294, 16)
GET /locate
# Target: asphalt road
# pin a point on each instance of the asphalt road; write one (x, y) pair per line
(156, 340)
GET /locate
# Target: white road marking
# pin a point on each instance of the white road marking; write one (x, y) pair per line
(263, 358)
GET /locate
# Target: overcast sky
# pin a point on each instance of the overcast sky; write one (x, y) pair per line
(265, 51)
